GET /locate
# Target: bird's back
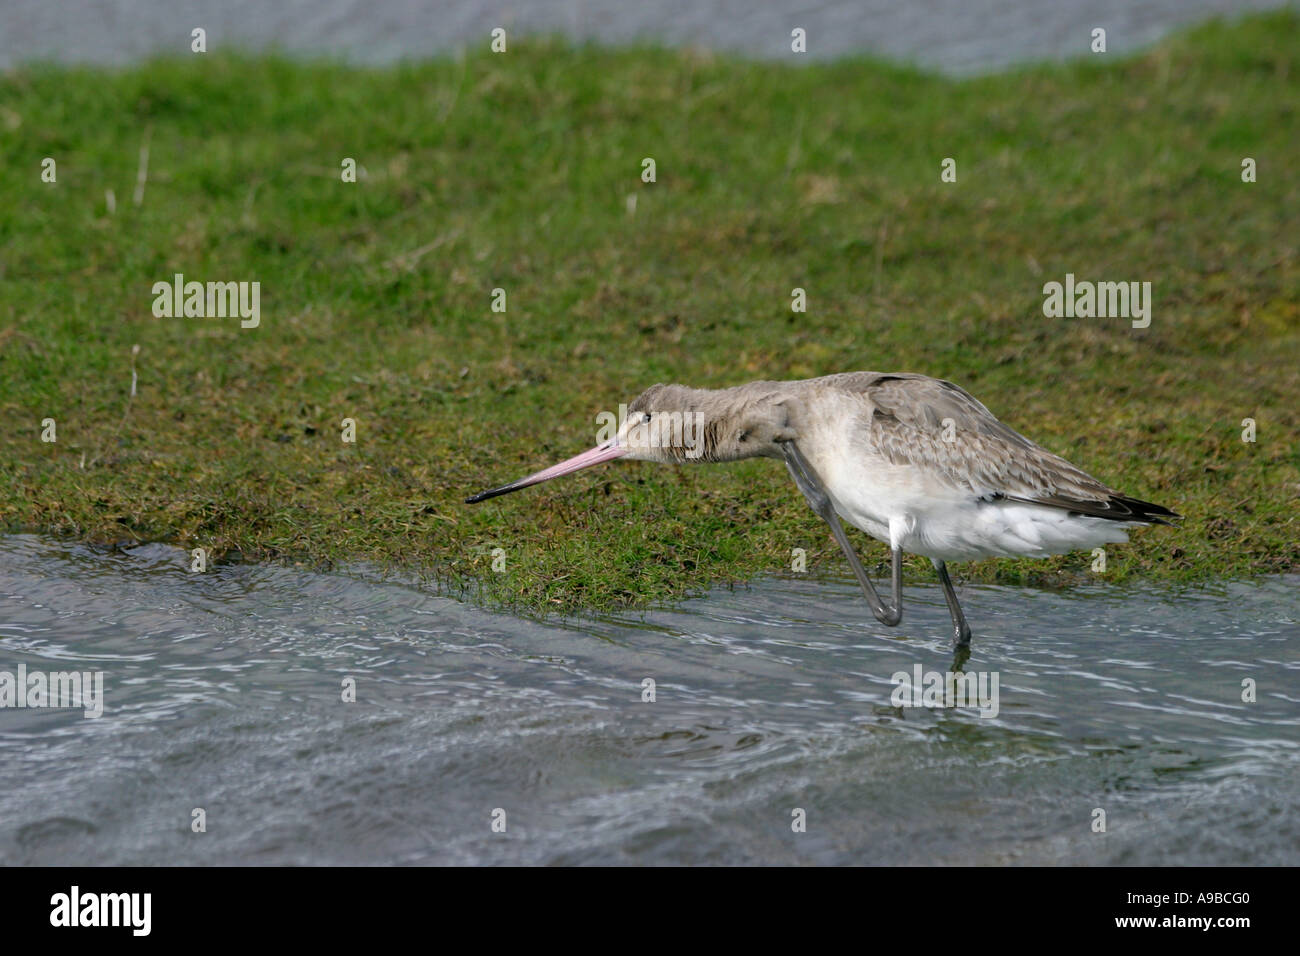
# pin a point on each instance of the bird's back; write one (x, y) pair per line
(945, 441)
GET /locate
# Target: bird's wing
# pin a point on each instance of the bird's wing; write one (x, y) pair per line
(937, 426)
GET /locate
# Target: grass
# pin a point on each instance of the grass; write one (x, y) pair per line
(516, 171)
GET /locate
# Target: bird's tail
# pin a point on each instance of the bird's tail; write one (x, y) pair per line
(1146, 511)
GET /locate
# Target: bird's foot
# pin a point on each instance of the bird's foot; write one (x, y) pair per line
(889, 616)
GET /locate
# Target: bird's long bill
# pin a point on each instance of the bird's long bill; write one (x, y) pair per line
(595, 456)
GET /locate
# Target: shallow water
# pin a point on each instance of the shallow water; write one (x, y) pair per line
(223, 691)
(958, 36)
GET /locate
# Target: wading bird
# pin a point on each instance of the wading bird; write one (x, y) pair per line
(913, 461)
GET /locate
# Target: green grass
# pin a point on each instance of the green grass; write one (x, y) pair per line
(514, 171)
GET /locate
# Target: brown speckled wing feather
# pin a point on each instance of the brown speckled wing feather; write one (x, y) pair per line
(905, 421)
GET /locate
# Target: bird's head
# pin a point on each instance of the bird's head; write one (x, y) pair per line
(675, 424)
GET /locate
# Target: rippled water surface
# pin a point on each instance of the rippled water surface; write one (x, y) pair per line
(953, 35)
(223, 691)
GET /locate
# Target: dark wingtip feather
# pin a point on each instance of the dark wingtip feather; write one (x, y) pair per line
(1146, 511)
(1114, 508)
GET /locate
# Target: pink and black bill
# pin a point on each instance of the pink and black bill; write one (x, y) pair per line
(605, 452)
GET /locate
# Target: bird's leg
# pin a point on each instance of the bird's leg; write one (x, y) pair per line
(806, 478)
(961, 630)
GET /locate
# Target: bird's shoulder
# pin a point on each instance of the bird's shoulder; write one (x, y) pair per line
(913, 400)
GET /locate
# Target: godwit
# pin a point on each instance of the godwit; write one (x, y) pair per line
(913, 461)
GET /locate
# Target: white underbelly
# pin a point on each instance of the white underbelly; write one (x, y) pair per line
(899, 506)
(967, 530)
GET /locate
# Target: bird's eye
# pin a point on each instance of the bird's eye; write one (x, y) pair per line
(646, 420)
